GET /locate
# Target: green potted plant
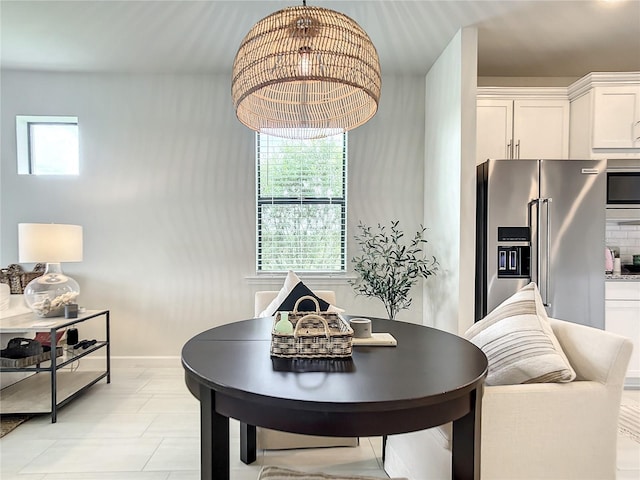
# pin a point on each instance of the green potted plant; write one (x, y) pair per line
(388, 266)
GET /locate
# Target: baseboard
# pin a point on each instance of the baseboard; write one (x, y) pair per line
(632, 383)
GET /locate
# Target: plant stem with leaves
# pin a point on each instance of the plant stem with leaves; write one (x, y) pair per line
(388, 267)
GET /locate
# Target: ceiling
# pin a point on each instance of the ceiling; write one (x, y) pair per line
(540, 38)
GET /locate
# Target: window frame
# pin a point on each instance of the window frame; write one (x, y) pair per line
(303, 200)
(24, 141)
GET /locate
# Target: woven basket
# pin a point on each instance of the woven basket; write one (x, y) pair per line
(17, 278)
(28, 361)
(315, 335)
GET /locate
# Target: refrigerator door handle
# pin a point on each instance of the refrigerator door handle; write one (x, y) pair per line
(547, 289)
(535, 249)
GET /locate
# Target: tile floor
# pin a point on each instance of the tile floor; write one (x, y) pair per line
(144, 426)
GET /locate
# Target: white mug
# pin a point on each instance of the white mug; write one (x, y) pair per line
(361, 327)
(617, 268)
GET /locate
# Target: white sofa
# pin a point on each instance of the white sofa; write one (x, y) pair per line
(557, 431)
(268, 439)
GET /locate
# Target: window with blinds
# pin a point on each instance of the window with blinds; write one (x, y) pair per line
(301, 203)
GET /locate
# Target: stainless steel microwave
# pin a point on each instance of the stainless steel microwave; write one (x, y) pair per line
(623, 189)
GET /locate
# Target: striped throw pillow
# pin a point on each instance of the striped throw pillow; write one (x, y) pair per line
(276, 473)
(518, 340)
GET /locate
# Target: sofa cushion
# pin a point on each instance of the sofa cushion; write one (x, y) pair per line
(291, 291)
(519, 343)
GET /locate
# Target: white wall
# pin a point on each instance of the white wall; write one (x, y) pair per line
(449, 184)
(166, 196)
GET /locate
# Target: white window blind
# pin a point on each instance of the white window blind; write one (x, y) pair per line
(301, 203)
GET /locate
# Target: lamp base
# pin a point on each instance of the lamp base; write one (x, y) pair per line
(47, 295)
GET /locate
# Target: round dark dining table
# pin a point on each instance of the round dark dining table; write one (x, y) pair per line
(430, 378)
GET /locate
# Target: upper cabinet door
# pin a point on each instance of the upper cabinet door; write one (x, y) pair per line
(616, 121)
(541, 128)
(494, 129)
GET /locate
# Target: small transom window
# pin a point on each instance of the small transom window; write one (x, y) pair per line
(47, 145)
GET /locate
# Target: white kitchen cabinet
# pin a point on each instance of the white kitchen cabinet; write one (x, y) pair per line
(494, 129)
(616, 120)
(622, 316)
(605, 116)
(541, 128)
(536, 127)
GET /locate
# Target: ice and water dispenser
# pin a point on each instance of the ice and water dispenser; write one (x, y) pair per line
(514, 259)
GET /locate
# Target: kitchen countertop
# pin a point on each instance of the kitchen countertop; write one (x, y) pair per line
(622, 278)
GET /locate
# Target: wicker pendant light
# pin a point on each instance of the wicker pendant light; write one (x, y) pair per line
(306, 72)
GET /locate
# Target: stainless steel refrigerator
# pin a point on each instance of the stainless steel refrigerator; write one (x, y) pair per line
(542, 221)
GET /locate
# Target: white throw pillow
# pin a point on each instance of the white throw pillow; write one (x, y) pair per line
(293, 287)
(518, 340)
(290, 281)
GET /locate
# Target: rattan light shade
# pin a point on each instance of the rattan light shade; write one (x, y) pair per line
(306, 72)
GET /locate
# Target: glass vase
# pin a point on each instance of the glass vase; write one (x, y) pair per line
(48, 294)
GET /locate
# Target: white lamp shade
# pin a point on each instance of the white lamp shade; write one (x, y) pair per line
(49, 242)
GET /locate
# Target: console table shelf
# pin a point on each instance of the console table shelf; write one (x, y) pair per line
(33, 394)
(49, 386)
(62, 361)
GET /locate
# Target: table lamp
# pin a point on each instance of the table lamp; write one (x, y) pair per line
(51, 243)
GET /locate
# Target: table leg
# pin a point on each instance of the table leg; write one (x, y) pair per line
(248, 444)
(384, 447)
(54, 376)
(108, 339)
(466, 441)
(214, 439)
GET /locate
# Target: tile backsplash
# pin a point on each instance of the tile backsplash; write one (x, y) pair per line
(626, 238)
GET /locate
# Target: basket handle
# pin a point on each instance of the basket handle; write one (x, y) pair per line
(306, 297)
(306, 317)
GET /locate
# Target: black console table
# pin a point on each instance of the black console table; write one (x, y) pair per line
(51, 386)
